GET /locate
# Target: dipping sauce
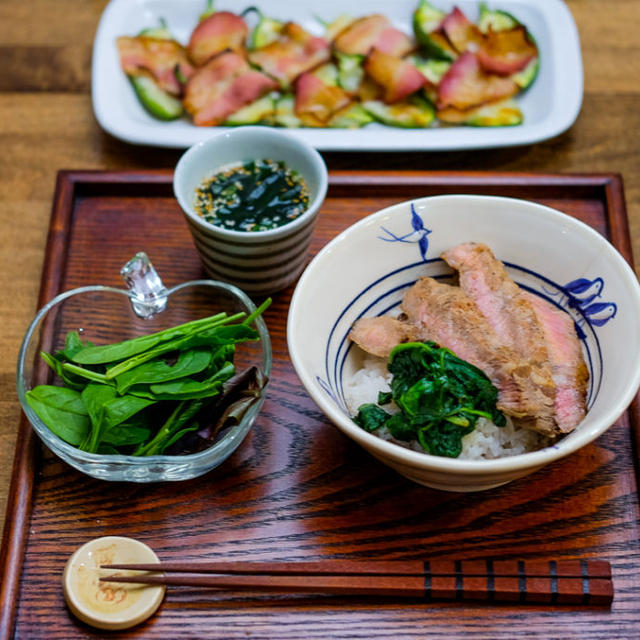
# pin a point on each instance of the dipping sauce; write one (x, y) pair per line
(256, 196)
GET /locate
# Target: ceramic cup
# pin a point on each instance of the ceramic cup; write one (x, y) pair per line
(259, 262)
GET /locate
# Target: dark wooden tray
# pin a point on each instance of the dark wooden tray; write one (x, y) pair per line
(297, 488)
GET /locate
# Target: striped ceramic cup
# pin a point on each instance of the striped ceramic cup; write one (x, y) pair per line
(259, 262)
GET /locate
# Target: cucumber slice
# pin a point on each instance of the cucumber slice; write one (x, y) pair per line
(426, 20)
(432, 69)
(265, 32)
(413, 113)
(504, 113)
(495, 19)
(161, 33)
(285, 115)
(328, 73)
(157, 102)
(350, 71)
(500, 114)
(259, 112)
(353, 116)
(526, 77)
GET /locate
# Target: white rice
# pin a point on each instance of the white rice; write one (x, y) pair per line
(486, 441)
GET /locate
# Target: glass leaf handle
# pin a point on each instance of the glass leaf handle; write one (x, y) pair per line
(148, 293)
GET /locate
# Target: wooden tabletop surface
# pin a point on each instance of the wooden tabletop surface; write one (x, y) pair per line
(47, 123)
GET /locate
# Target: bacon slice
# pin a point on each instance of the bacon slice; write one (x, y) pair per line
(222, 86)
(503, 52)
(157, 57)
(511, 315)
(506, 52)
(374, 31)
(293, 53)
(222, 30)
(570, 373)
(380, 335)
(466, 85)
(398, 77)
(316, 101)
(461, 32)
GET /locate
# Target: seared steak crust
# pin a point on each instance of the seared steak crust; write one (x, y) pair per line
(511, 315)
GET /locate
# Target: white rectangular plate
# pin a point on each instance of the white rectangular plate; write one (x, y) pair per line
(550, 106)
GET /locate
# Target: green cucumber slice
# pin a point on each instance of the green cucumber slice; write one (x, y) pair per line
(285, 115)
(495, 19)
(157, 102)
(350, 71)
(426, 19)
(267, 30)
(432, 69)
(354, 116)
(526, 77)
(413, 113)
(261, 111)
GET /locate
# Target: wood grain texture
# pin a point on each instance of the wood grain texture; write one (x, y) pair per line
(296, 489)
(47, 124)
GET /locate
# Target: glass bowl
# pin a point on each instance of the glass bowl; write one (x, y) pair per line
(103, 315)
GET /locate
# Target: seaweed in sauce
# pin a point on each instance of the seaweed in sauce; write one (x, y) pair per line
(256, 196)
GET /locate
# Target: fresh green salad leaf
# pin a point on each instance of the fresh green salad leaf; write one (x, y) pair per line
(62, 410)
(440, 397)
(151, 393)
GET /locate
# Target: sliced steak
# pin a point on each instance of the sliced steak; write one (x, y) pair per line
(449, 317)
(547, 341)
(568, 368)
(380, 335)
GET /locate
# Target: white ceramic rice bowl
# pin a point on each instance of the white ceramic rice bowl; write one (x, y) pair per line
(366, 270)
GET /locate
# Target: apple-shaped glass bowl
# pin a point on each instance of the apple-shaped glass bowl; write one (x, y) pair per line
(104, 315)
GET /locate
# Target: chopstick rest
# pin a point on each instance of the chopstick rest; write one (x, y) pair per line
(102, 604)
(572, 582)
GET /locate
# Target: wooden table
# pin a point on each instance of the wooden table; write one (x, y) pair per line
(46, 123)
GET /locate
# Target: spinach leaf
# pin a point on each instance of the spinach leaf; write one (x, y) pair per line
(71, 381)
(184, 412)
(177, 436)
(443, 440)
(124, 434)
(371, 417)
(400, 428)
(120, 350)
(62, 410)
(72, 344)
(189, 362)
(95, 398)
(440, 396)
(212, 338)
(189, 389)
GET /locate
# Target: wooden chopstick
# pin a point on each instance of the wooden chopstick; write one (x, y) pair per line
(552, 582)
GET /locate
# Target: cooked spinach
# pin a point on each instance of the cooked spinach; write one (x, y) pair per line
(440, 397)
(148, 394)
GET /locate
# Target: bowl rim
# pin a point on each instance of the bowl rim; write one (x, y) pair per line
(228, 441)
(257, 132)
(416, 459)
